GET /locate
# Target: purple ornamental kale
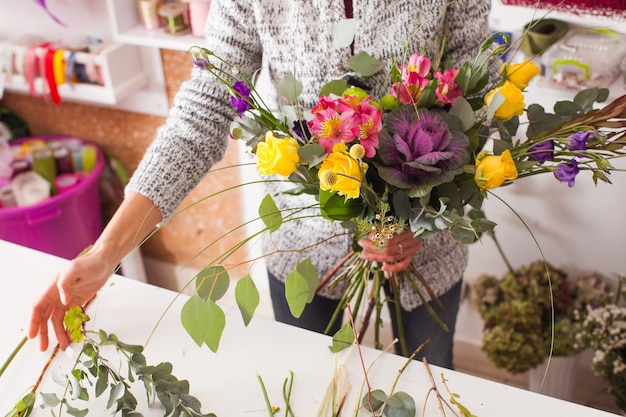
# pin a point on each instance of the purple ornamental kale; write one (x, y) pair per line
(567, 171)
(578, 141)
(241, 100)
(418, 151)
(542, 152)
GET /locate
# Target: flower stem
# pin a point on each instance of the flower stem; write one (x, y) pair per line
(6, 363)
(502, 254)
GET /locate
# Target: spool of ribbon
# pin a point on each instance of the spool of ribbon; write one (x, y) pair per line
(176, 16)
(66, 182)
(63, 159)
(542, 34)
(44, 163)
(30, 145)
(7, 197)
(30, 188)
(19, 166)
(149, 14)
(90, 156)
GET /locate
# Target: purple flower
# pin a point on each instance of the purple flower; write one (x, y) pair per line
(578, 141)
(301, 128)
(418, 151)
(202, 63)
(542, 152)
(241, 100)
(567, 171)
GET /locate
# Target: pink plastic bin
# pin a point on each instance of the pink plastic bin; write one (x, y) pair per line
(64, 224)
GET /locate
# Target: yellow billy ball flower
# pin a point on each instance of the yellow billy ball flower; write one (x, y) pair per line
(493, 170)
(347, 170)
(357, 151)
(520, 74)
(277, 155)
(513, 101)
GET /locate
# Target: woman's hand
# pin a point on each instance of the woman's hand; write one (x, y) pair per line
(74, 285)
(397, 254)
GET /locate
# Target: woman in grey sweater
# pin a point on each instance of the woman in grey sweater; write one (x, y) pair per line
(288, 35)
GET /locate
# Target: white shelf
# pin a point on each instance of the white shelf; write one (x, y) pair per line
(126, 27)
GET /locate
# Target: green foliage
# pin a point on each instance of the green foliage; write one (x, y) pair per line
(74, 320)
(247, 297)
(343, 339)
(270, 214)
(300, 287)
(399, 404)
(534, 311)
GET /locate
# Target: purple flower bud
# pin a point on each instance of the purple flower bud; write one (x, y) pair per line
(301, 129)
(242, 100)
(542, 152)
(202, 63)
(567, 171)
(578, 141)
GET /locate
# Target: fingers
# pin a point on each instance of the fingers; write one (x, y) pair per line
(59, 328)
(396, 255)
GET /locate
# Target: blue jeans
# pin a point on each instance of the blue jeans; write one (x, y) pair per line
(418, 324)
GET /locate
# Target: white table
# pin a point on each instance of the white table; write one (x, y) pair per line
(226, 382)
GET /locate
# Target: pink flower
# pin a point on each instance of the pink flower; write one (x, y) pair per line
(325, 102)
(332, 127)
(410, 90)
(447, 91)
(418, 64)
(368, 126)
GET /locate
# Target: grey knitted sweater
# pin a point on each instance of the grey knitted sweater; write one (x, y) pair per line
(298, 35)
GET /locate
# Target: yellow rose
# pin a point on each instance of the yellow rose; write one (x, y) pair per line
(277, 156)
(493, 170)
(349, 174)
(513, 101)
(520, 74)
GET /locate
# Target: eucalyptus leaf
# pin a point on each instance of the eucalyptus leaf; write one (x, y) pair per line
(334, 87)
(212, 282)
(400, 404)
(290, 88)
(217, 323)
(270, 214)
(311, 154)
(300, 286)
(463, 111)
(375, 398)
(343, 339)
(195, 316)
(50, 400)
(115, 393)
(343, 33)
(463, 234)
(75, 411)
(364, 64)
(247, 296)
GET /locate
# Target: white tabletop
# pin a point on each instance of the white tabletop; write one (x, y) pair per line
(227, 382)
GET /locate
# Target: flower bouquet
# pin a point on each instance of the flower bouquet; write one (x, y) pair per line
(534, 312)
(604, 331)
(423, 157)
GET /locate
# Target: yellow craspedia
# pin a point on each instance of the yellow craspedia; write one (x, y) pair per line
(347, 170)
(277, 155)
(493, 170)
(513, 101)
(357, 151)
(520, 74)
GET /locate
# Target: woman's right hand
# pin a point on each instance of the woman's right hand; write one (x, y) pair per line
(76, 284)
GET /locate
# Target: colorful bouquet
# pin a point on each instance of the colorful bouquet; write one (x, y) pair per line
(422, 157)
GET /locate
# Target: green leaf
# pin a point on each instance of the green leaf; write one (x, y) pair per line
(74, 320)
(212, 282)
(50, 400)
(101, 383)
(335, 207)
(290, 88)
(115, 393)
(377, 398)
(217, 323)
(463, 111)
(364, 64)
(300, 286)
(403, 405)
(247, 296)
(311, 154)
(343, 33)
(344, 338)
(269, 213)
(75, 411)
(334, 87)
(195, 316)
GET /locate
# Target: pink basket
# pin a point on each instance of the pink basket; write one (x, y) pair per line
(64, 224)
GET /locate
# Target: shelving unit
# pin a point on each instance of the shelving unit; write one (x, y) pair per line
(127, 28)
(132, 74)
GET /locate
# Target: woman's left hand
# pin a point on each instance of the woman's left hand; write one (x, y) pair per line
(397, 254)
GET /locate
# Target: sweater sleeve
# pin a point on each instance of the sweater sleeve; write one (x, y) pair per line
(195, 133)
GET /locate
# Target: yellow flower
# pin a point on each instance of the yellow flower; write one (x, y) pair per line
(277, 156)
(513, 101)
(520, 74)
(349, 172)
(493, 170)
